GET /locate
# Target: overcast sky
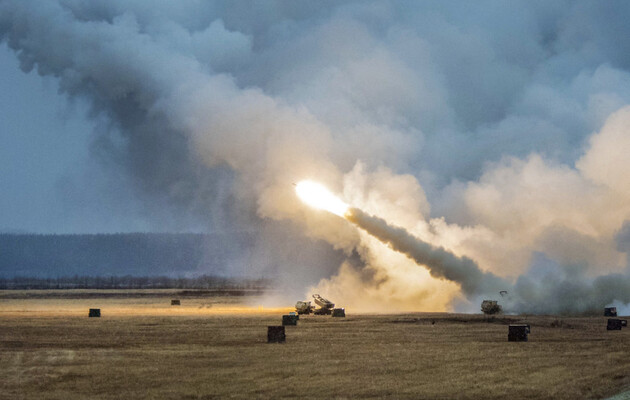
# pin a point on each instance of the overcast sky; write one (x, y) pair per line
(445, 89)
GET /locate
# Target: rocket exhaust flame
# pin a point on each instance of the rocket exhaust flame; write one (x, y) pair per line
(317, 196)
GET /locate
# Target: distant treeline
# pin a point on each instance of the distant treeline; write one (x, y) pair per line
(134, 254)
(133, 282)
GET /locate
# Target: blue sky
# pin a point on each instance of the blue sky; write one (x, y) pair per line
(44, 142)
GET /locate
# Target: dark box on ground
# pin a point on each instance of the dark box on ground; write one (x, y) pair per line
(339, 312)
(275, 334)
(290, 320)
(95, 313)
(610, 312)
(615, 324)
(518, 332)
(175, 302)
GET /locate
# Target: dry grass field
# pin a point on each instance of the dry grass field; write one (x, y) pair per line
(215, 347)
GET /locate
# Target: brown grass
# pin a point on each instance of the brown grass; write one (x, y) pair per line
(141, 349)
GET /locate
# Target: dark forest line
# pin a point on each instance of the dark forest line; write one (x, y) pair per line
(207, 282)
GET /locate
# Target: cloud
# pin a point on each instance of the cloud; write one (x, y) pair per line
(496, 132)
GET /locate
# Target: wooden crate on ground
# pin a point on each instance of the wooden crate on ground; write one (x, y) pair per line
(275, 334)
(518, 332)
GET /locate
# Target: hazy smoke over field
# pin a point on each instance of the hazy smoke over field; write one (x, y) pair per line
(493, 134)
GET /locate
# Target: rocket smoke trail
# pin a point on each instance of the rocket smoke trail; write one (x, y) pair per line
(556, 294)
(440, 262)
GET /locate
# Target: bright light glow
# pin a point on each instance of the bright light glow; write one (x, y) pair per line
(316, 195)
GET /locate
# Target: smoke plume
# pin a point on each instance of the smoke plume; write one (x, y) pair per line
(490, 139)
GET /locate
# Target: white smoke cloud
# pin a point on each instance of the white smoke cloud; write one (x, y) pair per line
(497, 132)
